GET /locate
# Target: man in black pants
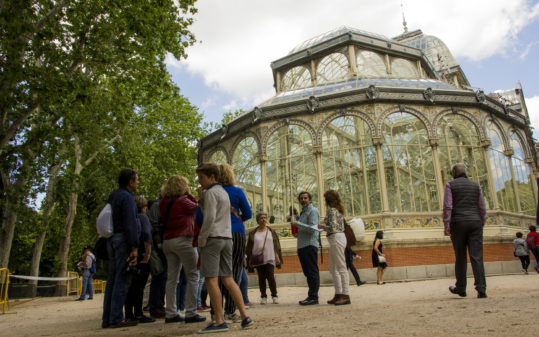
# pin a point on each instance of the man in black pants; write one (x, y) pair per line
(464, 216)
(308, 239)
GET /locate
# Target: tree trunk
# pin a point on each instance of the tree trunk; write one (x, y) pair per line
(63, 251)
(48, 204)
(7, 233)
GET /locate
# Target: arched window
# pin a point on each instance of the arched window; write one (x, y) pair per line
(218, 157)
(247, 172)
(408, 163)
(331, 68)
(370, 64)
(296, 78)
(290, 169)
(459, 143)
(501, 172)
(401, 68)
(523, 177)
(349, 161)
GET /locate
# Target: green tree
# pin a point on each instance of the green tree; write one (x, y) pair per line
(59, 61)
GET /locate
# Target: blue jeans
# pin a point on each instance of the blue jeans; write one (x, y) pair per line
(87, 285)
(118, 280)
(180, 291)
(201, 285)
(244, 284)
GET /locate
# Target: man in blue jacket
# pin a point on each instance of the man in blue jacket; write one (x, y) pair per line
(122, 247)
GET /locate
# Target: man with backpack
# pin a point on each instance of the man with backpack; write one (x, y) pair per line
(89, 268)
(532, 241)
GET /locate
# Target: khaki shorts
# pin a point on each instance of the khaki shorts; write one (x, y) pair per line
(216, 258)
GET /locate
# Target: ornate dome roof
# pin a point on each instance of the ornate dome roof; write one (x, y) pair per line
(334, 33)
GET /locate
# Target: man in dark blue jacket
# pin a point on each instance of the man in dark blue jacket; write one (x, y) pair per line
(122, 248)
(464, 217)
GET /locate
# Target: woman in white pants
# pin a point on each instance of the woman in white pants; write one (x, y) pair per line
(334, 227)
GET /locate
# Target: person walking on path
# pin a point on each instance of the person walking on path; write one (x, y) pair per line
(334, 227)
(263, 240)
(308, 243)
(521, 251)
(350, 255)
(378, 257)
(532, 240)
(464, 214)
(215, 244)
(122, 248)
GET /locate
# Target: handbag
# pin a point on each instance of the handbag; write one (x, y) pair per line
(156, 264)
(381, 259)
(258, 259)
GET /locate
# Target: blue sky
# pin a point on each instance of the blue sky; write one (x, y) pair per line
(496, 42)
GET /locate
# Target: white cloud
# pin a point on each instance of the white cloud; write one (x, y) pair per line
(240, 38)
(532, 104)
(526, 51)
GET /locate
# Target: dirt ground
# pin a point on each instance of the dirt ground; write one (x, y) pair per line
(419, 308)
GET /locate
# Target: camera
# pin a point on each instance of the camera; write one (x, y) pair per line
(133, 269)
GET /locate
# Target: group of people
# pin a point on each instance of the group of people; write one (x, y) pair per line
(205, 240)
(524, 246)
(212, 249)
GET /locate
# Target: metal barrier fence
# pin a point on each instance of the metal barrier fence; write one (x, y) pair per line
(73, 285)
(99, 285)
(4, 283)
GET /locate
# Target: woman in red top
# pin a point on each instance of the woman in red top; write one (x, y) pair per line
(177, 210)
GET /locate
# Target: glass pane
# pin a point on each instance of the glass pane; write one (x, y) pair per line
(370, 64)
(408, 162)
(296, 78)
(248, 175)
(501, 172)
(218, 157)
(349, 161)
(290, 169)
(401, 68)
(459, 143)
(332, 68)
(523, 178)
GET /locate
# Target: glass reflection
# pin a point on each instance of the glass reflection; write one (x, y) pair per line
(523, 177)
(218, 157)
(333, 67)
(501, 172)
(408, 164)
(248, 174)
(290, 169)
(349, 161)
(459, 142)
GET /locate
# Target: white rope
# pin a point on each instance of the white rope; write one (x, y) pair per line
(41, 278)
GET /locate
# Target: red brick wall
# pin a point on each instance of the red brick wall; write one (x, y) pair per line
(409, 256)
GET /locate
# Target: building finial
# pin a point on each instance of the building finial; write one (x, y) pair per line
(404, 19)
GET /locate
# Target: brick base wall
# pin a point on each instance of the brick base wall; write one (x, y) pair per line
(408, 256)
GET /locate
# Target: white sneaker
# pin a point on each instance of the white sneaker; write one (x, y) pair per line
(181, 313)
(232, 318)
(275, 300)
(263, 300)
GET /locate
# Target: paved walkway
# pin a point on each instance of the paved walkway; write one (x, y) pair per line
(419, 308)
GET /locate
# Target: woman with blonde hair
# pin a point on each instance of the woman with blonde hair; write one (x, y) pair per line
(177, 211)
(334, 227)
